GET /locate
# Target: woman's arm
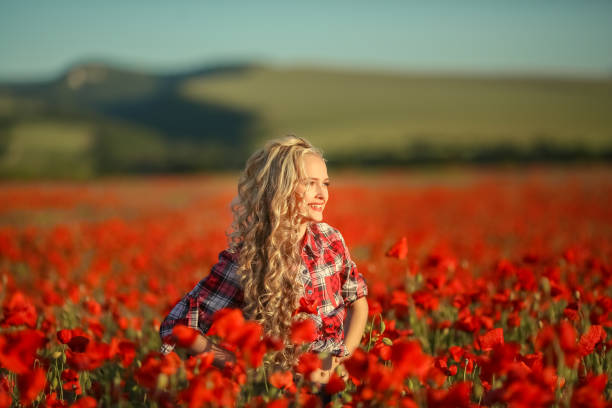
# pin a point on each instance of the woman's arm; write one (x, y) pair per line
(220, 289)
(355, 323)
(203, 344)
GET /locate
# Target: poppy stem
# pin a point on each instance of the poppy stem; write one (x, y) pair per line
(265, 377)
(371, 328)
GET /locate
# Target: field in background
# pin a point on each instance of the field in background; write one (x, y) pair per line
(487, 287)
(354, 113)
(99, 120)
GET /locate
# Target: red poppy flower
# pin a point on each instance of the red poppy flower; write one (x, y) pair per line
(210, 387)
(154, 364)
(426, 300)
(499, 361)
(70, 380)
(78, 344)
(458, 396)
(146, 375)
(408, 358)
(278, 403)
(442, 364)
(127, 352)
(399, 298)
(6, 399)
(399, 249)
(374, 307)
(18, 310)
(590, 393)
(51, 401)
(18, 349)
(382, 351)
(30, 385)
(247, 337)
(590, 339)
(358, 364)
(307, 363)
(304, 331)
(282, 380)
(92, 357)
(185, 336)
(306, 399)
(335, 384)
(435, 376)
(525, 391)
(489, 340)
(226, 321)
(65, 335)
(85, 402)
(456, 353)
(571, 311)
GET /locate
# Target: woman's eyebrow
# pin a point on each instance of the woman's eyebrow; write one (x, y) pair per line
(316, 178)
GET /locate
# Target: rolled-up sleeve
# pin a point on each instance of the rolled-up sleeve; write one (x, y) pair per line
(354, 285)
(220, 289)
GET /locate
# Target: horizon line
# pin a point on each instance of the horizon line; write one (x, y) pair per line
(391, 69)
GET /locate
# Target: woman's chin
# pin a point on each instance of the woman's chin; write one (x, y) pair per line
(316, 218)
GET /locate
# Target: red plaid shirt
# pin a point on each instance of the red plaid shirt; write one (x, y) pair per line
(330, 281)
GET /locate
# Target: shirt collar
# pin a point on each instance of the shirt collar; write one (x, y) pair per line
(312, 243)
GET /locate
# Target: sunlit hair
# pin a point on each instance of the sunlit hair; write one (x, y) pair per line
(265, 235)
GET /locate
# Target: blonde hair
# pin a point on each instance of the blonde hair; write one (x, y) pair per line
(265, 236)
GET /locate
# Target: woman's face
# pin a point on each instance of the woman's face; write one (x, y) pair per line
(313, 189)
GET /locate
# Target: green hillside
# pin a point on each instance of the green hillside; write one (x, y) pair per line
(98, 119)
(350, 112)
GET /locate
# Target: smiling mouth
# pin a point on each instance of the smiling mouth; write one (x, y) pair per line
(316, 207)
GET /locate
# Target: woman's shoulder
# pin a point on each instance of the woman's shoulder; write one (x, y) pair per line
(329, 237)
(227, 265)
(326, 231)
(229, 255)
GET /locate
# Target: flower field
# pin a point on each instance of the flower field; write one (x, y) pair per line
(487, 287)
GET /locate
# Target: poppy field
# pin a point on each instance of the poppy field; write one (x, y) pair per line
(488, 287)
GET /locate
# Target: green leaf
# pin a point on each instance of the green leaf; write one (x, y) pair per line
(387, 341)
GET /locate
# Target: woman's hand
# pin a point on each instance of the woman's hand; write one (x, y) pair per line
(203, 344)
(323, 374)
(320, 376)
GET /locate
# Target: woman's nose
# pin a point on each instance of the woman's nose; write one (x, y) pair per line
(320, 192)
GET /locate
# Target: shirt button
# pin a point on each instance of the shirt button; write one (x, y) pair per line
(310, 292)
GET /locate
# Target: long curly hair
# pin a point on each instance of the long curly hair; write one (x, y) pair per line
(265, 237)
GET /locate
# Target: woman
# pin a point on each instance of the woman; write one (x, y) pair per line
(280, 253)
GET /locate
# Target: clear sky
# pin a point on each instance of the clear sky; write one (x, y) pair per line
(40, 39)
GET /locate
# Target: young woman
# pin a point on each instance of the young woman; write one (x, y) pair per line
(280, 252)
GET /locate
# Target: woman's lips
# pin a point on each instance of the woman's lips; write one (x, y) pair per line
(316, 207)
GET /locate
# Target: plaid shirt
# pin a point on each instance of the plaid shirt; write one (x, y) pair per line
(330, 281)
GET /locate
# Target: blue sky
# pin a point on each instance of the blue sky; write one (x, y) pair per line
(40, 39)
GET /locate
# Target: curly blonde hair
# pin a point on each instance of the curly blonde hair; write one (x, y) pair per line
(265, 236)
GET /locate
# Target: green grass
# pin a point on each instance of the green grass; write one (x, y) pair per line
(126, 122)
(48, 147)
(362, 111)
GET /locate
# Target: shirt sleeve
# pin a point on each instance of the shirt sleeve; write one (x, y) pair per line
(220, 289)
(354, 285)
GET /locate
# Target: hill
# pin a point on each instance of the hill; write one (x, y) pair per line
(100, 119)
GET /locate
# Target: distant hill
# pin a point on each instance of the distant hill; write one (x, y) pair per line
(100, 119)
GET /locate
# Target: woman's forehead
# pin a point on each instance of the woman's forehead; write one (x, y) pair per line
(314, 166)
